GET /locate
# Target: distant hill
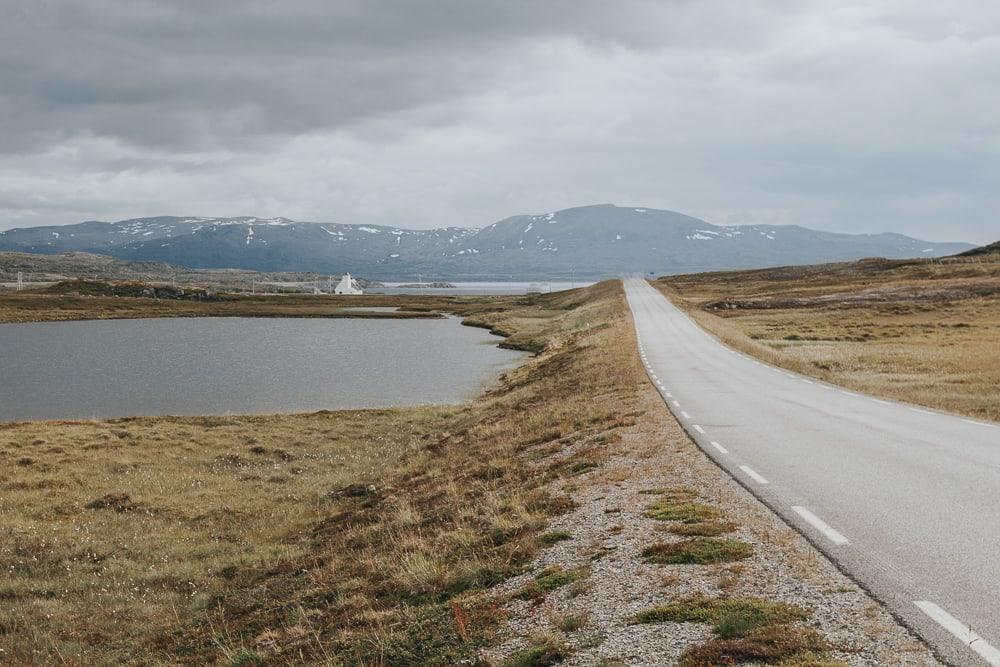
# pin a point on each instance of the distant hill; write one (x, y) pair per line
(585, 242)
(991, 249)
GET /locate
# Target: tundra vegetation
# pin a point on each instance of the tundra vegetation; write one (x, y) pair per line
(351, 537)
(920, 331)
(365, 537)
(95, 299)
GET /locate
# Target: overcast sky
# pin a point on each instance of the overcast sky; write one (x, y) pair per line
(845, 116)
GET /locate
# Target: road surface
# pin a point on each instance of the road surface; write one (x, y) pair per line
(904, 499)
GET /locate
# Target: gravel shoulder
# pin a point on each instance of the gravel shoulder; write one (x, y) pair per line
(609, 529)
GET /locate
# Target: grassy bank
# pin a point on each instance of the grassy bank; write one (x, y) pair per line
(360, 537)
(918, 331)
(90, 300)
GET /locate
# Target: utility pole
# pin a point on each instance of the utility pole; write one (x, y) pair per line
(20, 281)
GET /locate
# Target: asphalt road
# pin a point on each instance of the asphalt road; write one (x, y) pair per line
(904, 499)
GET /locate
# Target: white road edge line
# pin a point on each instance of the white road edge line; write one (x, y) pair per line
(961, 631)
(820, 525)
(925, 412)
(753, 475)
(721, 449)
(699, 429)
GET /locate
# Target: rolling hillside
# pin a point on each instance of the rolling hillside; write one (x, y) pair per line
(588, 242)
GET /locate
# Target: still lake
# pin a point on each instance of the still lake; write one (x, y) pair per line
(193, 366)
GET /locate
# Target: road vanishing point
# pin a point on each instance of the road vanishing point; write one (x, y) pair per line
(904, 499)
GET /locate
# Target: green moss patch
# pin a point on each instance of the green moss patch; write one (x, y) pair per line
(702, 529)
(771, 645)
(685, 511)
(701, 609)
(553, 537)
(697, 551)
(549, 579)
(545, 649)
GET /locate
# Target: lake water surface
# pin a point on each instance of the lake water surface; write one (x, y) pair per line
(189, 366)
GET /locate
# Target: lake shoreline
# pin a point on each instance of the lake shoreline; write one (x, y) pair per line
(72, 370)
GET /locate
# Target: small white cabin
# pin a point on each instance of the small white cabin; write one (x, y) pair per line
(347, 285)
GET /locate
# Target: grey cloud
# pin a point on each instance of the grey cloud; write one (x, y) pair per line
(195, 74)
(846, 116)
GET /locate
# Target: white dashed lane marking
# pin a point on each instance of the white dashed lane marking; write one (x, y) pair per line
(961, 631)
(821, 526)
(721, 449)
(699, 429)
(753, 475)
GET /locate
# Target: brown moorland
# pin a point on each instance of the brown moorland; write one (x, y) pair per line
(80, 299)
(355, 537)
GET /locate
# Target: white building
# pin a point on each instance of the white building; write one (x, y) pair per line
(347, 285)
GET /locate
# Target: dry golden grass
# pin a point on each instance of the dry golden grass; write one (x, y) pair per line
(38, 307)
(190, 502)
(217, 540)
(916, 331)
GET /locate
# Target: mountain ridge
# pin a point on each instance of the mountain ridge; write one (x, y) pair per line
(595, 241)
